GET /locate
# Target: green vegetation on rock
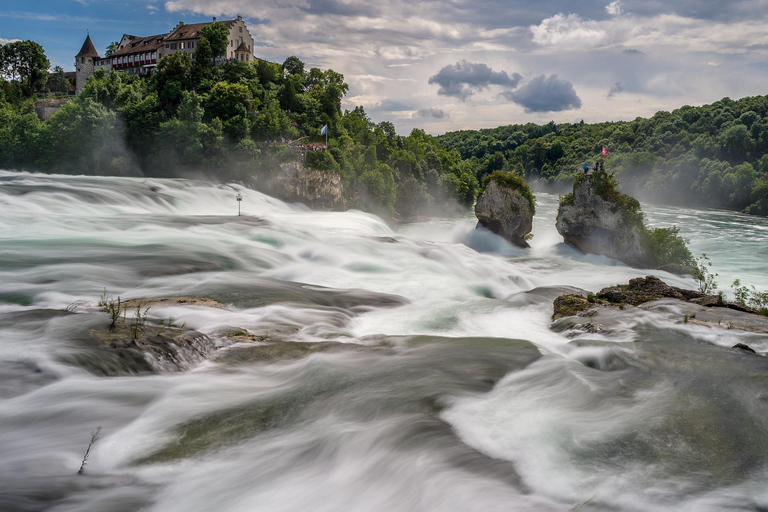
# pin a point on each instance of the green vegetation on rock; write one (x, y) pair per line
(511, 181)
(664, 246)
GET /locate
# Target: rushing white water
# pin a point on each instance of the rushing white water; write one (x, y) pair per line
(446, 387)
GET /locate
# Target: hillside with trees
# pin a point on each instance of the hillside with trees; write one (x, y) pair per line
(715, 155)
(228, 121)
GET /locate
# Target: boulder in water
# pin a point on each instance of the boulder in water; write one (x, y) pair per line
(506, 207)
(598, 219)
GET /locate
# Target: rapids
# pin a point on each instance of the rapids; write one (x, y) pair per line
(412, 368)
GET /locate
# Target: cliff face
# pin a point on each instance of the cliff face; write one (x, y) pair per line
(598, 220)
(320, 190)
(506, 212)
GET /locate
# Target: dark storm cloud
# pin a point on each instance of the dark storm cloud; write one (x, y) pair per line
(616, 89)
(433, 112)
(464, 78)
(545, 94)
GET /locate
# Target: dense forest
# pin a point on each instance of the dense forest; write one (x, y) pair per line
(715, 155)
(226, 121)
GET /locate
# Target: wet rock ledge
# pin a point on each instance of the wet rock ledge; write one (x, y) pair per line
(638, 291)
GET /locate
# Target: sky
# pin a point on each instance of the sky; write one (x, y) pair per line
(463, 64)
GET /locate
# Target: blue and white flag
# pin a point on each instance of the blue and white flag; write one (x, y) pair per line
(324, 130)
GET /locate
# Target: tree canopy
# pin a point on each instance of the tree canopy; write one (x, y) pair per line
(715, 155)
(217, 36)
(25, 62)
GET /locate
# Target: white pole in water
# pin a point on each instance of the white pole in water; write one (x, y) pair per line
(239, 199)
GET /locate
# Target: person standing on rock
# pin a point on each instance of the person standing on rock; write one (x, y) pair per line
(586, 168)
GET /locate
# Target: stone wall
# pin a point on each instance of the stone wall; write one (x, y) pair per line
(46, 108)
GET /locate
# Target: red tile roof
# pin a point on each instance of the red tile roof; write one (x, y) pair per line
(88, 50)
(192, 31)
(141, 45)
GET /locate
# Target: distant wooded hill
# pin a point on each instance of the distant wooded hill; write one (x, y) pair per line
(715, 155)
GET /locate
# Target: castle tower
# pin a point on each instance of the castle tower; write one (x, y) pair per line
(84, 63)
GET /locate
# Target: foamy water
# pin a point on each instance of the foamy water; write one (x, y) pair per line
(448, 390)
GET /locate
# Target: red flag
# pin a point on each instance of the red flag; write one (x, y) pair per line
(604, 152)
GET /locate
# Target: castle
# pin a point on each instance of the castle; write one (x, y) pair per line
(139, 55)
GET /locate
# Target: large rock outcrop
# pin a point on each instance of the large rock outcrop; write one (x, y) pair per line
(317, 189)
(598, 219)
(506, 207)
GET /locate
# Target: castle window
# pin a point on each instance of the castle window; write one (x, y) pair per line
(173, 46)
(167, 45)
(241, 30)
(181, 46)
(82, 60)
(192, 44)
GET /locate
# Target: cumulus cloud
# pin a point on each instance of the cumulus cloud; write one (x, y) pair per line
(614, 8)
(546, 94)
(433, 112)
(570, 30)
(617, 88)
(6, 41)
(464, 78)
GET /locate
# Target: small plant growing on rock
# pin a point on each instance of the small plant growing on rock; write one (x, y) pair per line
(704, 277)
(112, 307)
(140, 318)
(750, 297)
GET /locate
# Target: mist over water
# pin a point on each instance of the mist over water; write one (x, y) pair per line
(408, 368)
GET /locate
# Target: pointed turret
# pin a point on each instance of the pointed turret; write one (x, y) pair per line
(84, 63)
(88, 50)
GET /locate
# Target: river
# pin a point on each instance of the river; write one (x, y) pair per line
(423, 370)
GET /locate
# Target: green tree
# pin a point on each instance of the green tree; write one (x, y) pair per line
(202, 60)
(58, 82)
(171, 78)
(84, 137)
(25, 62)
(293, 66)
(218, 37)
(288, 98)
(227, 100)
(111, 48)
